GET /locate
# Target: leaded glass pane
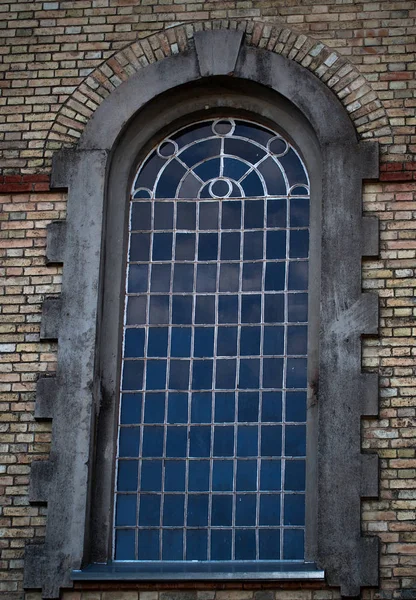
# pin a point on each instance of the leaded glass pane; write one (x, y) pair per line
(212, 433)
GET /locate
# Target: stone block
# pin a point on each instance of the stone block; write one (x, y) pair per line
(217, 51)
(55, 246)
(51, 315)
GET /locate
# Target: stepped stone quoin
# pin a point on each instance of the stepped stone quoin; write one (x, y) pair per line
(51, 317)
(55, 245)
(46, 389)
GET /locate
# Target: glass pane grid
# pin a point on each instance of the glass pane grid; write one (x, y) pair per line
(213, 394)
(245, 507)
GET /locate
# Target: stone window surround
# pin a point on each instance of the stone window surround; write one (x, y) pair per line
(78, 397)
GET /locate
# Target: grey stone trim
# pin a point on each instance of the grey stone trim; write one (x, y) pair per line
(370, 308)
(51, 316)
(34, 566)
(55, 242)
(369, 394)
(369, 560)
(62, 162)
(217, 51)
(220, 571)
(361, 317)
(369, 476)
(86, 391)
(370, 237)
(46, 389)
(40, 479)
(110, 118)
(65, 479)
(369, 159)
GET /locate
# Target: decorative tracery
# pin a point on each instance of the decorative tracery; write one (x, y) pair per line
(222, 158)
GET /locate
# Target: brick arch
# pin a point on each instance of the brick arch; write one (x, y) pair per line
(342, 77)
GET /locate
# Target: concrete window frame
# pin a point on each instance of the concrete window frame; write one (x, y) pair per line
(220, 73)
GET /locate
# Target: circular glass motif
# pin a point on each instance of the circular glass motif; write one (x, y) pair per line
(223, 127)
(220, 188)
(278, 146)
(167, 148)
(221, 158)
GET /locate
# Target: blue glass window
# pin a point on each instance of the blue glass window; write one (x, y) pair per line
(212, 432)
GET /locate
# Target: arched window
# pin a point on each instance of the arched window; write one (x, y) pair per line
(277, 99)
(212, 433)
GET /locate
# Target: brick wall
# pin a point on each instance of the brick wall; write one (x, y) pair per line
(393, 356)
(48, 51)
(25, 280)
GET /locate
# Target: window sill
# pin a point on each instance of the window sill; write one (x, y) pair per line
(199, 571)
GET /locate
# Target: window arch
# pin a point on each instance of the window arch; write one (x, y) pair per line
(212, 436)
